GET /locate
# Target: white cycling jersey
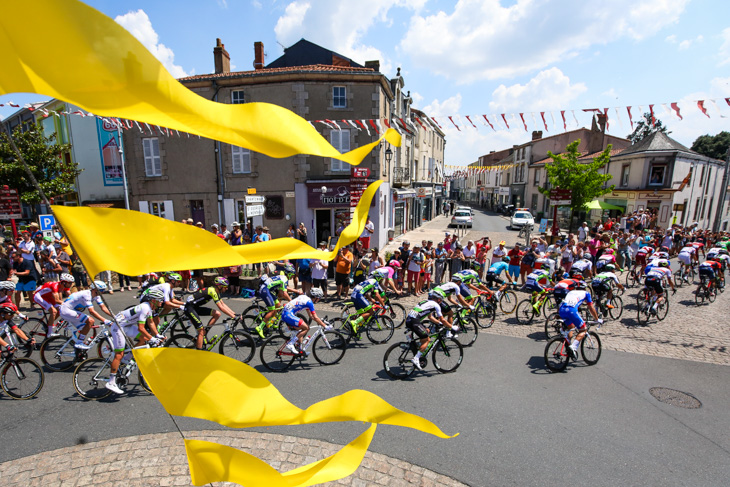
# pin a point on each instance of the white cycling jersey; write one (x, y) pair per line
(81, 301)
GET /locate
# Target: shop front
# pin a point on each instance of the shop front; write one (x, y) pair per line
(403, 210)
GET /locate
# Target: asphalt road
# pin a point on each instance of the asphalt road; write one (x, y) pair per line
(518, 424)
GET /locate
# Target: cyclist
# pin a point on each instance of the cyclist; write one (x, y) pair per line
(451, 292)
(573, 321)
(387, 272)
(719, 254)
(298, 326)
(194, 308)
(470, 280)
(7, 289)
(584, 266)
(414, 322)
(364, 296)
(711, 270)
(7, 310)
(607, 257)
(131, 323)
(49, 297)
(654, 281)
(270, 290)
(73, 307)
(535, 282)
(687, 255)
(564, 286)
(641, 257)
(493, 273)
(699, 246)
(601, 286)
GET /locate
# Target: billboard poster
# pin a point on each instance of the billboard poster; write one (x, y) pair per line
(111, 158)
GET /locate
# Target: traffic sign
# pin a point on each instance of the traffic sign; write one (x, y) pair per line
(10, 204)
(46, 222)
(257, 199)
(256, 210)
(251, 190)
(561, 197)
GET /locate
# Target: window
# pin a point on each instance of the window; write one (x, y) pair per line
(537, 181)
(709, 210)
(707, 183)
(339, 97)
(534, 203)
(157, 208)
(702, 176)
(241, 160)
(702, 211)
(151, 148)
(625, 171)
(656, 175)
(697, 209)
(237, 97)
(340, 140)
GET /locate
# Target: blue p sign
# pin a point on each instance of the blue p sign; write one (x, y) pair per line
(46, 222)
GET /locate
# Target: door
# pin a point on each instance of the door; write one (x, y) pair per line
(197, 212)
(323, 225)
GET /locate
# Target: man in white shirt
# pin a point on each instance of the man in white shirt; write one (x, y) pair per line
(319, 270)
(583, 232)
(367, 233)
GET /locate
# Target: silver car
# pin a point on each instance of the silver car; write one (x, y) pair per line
(462, 217)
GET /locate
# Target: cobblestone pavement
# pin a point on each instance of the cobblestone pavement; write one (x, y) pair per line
(160, 460)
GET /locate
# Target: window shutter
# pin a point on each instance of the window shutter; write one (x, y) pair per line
(169, 212)
(144, 207)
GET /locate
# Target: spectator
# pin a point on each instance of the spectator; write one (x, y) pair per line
(319, 271)
(398, 272)
(499, 252)
(189, 221)
(234, 279)
(214, 230)
(25, 271)
(515, 255)
(583, 232)
(79, 273)
(304, 272)
(124, 281)
(440, 260)
(457, 260)
(424, 281)
(529, 258)
(106, 278)
(49, 267)
(367, 233)
(302, 232)
(226, 233)
(199, 224)
(415, 260)
(64, 259)
(5, 266)
(291, 232)
(470, 254)
(343, 266)
(375, 260)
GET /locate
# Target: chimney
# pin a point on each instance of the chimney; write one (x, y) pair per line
(221, 58)
(258, 55)
(536, 134)
(596, 136)
(602, 118)
(374, 65)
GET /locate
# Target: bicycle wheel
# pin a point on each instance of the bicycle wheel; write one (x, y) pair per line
(22, 378)
(553, 326)
(380, 329)
(397, 360)
(238, 345)
(662, 309)
(180, 341)
(678, 278)
(143, 382)
(447, 355)
(347, 310)
(632, 280)
(182, 326)
(397, 314)
(485, 312)
(525, 312)
(549, 306)
(105, 348)
(90, 378)
(701, 295)
(618, 307)
(273, 354)
(508, 302)
(329, 348)
(590, 348)
(58, 353)
(557, 354)
(343, 327)
(643, 309)
(34, 328)
(468, 332)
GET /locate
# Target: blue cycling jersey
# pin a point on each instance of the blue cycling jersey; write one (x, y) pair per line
(498, 268)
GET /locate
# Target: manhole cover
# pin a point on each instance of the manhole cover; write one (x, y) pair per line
(675, 398)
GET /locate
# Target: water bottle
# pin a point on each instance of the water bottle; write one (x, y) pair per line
(306, 340)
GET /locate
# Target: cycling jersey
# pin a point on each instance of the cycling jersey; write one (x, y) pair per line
(134, 316)
(423, 309)
(289, 313)
(166, 289)
(361, 290)
(81, 301)
(447, 289)
(46, 292)
(497, 269)
(386, 272)
(202, 296)
(604, 277)
(581, 265)
(468, 276)
(647, 250)
(569, 307)
(276, 283)
(654, 264)
(539, 276)
(708, 268)
(659, 272)
(687, 250)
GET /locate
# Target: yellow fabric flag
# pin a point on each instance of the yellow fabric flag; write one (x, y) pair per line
(97, 65)
(210, 386)
(211, 462)
(134, 243)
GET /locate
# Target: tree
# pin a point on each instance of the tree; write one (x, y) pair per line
(583, 179)
(644, 128)
(47, 160)
(714, 146)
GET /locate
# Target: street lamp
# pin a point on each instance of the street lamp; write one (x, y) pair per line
(388, 155)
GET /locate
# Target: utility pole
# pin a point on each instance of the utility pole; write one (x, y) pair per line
(723, 194)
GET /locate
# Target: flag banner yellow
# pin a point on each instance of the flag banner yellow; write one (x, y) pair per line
(97, 65)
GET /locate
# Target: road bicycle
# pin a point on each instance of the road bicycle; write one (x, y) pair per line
(645, 302)
(91, 375)
(468, 328)
(558, 352)
(252, 320)
(539, 303)
(58, 352)
(378, 327)
(446, 354)
(609, 307)
(633, 277)
(485, 305)
(328, 347)
(174, 323)
(23, 347)
(685, 275)
(233, 343)
(396, 311)
(36, 327)
(20, 377)
(706, 291)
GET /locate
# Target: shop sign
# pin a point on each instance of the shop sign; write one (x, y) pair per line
(10, 204)
(328, 195)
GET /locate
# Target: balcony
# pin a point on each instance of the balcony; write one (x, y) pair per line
(401, 177)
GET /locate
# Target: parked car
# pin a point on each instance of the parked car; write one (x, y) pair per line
(465, 208)
(462, 217)
(507, 209)
(521, 217)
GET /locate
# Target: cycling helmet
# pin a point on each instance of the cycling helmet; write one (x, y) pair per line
(66, 277)
(723, 252)
(156, 295)
(365, 261)
(100, 286)
(174, 276)
(289, 270)
(476, 265)
(8, 308)
(587, 256)
(580, 285)
(609, 267)
(221, 281)
(662, 263)
(376, 275)
(394, 263)
(7, 286)
(316, 293)
(456, 277)
(576, 272)
(608, 251)
(505, 259)
(434, 296)
(662, 255)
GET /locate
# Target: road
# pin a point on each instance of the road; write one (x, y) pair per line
(518, 424)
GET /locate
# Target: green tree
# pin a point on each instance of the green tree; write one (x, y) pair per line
(644, 128)
(46, 159)
(714, 146)
(584, 179)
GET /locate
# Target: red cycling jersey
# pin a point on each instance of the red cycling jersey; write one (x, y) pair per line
(47, 291)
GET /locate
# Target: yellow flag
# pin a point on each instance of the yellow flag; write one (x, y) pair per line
(96, 64)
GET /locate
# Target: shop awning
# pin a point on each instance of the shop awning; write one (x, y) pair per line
(405, 193)
(602, 205)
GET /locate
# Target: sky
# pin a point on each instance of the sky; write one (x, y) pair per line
(476, 57)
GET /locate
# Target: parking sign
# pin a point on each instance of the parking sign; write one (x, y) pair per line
(46, 222)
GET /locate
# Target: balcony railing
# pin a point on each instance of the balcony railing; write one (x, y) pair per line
(401, 176)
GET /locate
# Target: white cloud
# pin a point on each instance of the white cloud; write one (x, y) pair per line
(549, 90)
(686, 43)
(138, 24)
(724, 52)
(481, 39)
(417, 99)
(611, 93)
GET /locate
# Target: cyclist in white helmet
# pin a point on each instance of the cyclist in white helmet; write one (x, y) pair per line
(72, 309)
(49, 297)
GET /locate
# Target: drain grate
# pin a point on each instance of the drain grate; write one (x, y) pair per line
(675, 398)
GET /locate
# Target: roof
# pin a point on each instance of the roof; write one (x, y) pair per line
(657, 142)
(582, 156)
(314, 68)
(306, 53)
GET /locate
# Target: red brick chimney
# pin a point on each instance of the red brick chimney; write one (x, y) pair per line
(536, 134)
(221, 58)
(258, 59)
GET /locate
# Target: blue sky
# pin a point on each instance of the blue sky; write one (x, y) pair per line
(476, 57)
